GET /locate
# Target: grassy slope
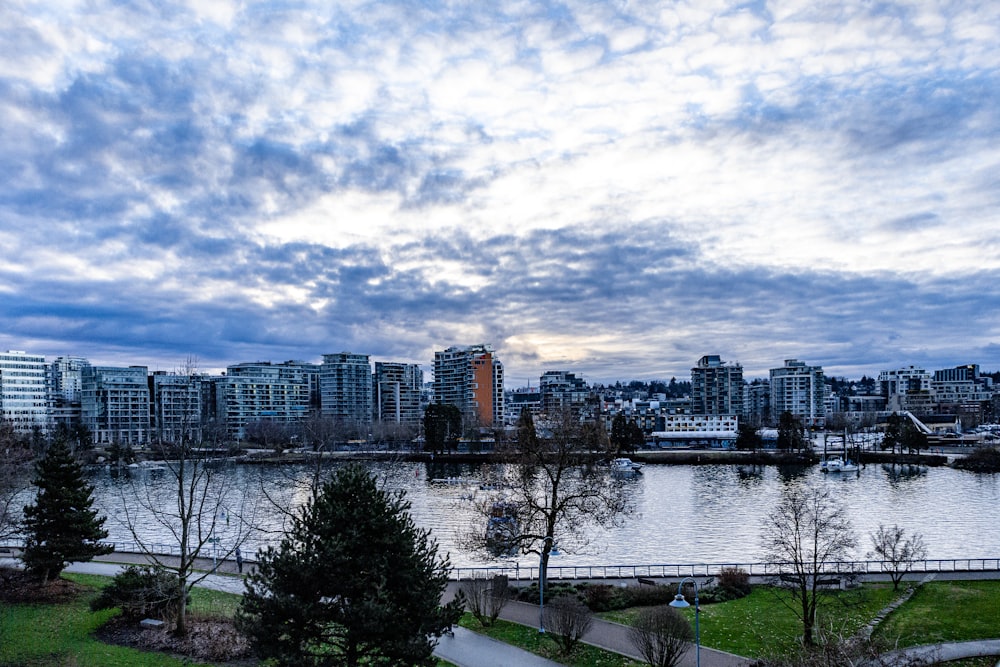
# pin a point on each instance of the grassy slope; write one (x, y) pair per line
(61, 634)
(50, 635)
(946, 611)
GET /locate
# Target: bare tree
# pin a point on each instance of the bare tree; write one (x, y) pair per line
(661, 635)
(569, 619)
(201, 504)
(897, 551)
(805, 533)
(486, 597)
(15, 478)
(551, 493)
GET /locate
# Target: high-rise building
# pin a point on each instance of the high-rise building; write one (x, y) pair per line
(296, 372)
(757, 401)
(561, 390)
(471, 379)
(716, 387)
(177, 414)
(345, 385)
(24, 391)
(67, 378)
(800, 390)
(115, 404)
(397, 388)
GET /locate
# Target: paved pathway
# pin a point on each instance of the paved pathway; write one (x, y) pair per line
(614, 637)
(469, 649)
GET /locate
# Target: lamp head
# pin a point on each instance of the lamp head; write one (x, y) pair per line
(679, 602)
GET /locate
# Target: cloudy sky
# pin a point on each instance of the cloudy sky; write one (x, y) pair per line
(614, 188)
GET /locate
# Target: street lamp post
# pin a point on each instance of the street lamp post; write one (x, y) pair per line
(541, 584)
(680, 602)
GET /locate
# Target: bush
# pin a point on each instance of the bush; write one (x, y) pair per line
(142, 591)
(647, 596)
(569, 619)
(661, 635)
(981, 459)
(486, 597)
(732, 583)
(601, 597)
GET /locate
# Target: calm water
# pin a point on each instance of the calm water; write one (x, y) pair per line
(684, 514)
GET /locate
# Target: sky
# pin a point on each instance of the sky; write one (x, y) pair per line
(610, 188)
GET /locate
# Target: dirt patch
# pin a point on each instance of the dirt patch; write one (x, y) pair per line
(207, 640)
(16, 587)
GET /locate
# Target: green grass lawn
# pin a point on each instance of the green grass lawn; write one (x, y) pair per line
(61, 635)
(946, 611)
(47, 635)
(531, 640)
(762, 622)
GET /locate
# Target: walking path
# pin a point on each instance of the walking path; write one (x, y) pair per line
(614, 637)
(469, 649)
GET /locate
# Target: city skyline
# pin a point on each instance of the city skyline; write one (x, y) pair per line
(614, 189)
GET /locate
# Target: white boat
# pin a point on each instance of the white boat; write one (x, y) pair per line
(837, 464)
(502, 529)
(624, 465)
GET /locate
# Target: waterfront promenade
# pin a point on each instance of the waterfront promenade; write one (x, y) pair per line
(469, 649)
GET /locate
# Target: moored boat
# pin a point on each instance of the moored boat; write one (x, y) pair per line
(837, 464)
(625, 465)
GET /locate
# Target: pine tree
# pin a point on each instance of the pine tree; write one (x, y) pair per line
(354, 581)
(61, 527)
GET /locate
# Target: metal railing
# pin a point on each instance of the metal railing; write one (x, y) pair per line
(678, 570)
(655, 571)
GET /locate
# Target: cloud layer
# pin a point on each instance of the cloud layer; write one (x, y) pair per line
(615, 188)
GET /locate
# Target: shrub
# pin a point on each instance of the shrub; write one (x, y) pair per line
(661, 635)
(142, 591)
(486, 597)
(981, 459)
(601, 597)
(569, 619)
(530, 593)
(646, 596)
(735, 579)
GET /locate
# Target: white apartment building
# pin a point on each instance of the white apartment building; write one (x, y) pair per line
(397, 388)
(177, 407)
(264, 392)
(67, 379)
(798, 389)
(716, 387)
(345, 386)
(114, 404)
(24, 392)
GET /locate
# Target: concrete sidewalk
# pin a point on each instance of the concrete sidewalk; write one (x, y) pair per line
(469, 649)
(615, 637)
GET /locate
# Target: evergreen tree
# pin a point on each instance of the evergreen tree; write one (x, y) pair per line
(61, 527)
(619, 434)
(634, 436)
(442, 426)
(748, 438)
(791, 434)
(527, 436)
(354, 581)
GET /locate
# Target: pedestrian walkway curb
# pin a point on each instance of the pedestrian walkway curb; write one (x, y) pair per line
(866, 632)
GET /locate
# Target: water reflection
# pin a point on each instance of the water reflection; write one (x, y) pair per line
(684, 514)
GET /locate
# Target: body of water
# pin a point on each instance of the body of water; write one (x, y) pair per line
(684, 514)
